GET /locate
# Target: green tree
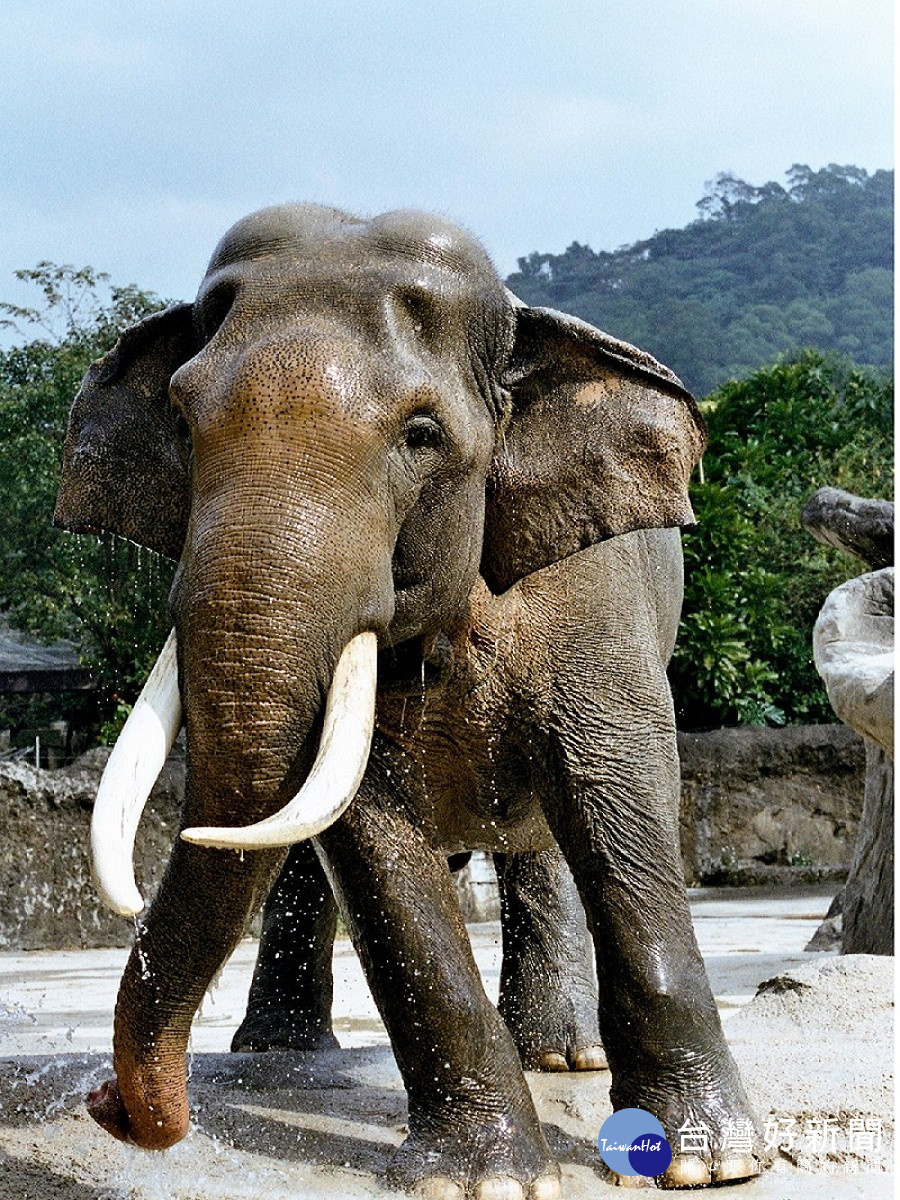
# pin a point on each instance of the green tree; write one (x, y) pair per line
(106, 595)
(755, 580)
(764, 271)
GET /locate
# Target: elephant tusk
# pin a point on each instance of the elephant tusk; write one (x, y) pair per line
(131, 771)
(339, 767)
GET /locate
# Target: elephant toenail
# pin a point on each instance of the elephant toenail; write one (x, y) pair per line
(629, 1181)
(591, 1058)
(439, 1187)
(499, 1187)
(548, 1187)
(735, 1166)
(552, 1060)
(685, 1171)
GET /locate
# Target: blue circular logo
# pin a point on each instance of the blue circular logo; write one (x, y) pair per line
(632, 1142)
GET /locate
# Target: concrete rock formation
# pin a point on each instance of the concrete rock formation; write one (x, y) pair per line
(853, 647)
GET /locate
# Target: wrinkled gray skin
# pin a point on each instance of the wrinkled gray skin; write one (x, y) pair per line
(548, 993)
(354, 429)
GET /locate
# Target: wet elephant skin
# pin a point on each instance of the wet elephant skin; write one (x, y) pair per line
(548, 992)
(355, 428)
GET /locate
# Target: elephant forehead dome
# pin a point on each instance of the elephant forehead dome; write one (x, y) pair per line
(425, 235)
(282, 227)
(316, 229)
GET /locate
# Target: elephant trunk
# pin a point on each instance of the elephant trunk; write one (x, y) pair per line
(337, 771)
(257, 668)
(194, 923)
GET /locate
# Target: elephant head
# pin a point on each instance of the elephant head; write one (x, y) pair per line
(352, 421)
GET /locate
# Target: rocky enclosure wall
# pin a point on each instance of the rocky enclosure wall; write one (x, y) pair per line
(763, 805)
(47, 899)
(757, 805)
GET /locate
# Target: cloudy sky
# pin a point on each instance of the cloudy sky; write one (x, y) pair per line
(134, 133)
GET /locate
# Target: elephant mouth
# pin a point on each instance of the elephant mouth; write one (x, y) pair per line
(416, 666)
(148, 736)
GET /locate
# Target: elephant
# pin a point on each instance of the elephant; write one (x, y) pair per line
(429, 577)
(548, 992)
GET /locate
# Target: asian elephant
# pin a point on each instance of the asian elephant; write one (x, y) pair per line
(428, 581)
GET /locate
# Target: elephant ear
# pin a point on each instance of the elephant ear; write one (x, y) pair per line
(125, 468)
(602, 440)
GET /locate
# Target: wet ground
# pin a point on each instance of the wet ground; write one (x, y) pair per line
(291, 1125)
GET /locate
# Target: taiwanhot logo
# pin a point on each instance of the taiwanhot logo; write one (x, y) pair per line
(632, 1142)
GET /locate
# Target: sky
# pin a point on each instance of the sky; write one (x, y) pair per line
(135, 133)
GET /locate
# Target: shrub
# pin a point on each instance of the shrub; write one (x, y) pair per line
(106, 595)
(755, 580)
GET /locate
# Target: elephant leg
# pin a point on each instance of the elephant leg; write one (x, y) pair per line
(289, 1006)
(548, 993)
(197, 918)
(473, 1128)
(292, 990)
(616, 822)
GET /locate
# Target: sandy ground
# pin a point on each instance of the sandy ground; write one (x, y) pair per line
(815, 1049)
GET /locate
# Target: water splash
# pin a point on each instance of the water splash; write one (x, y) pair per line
(146, 972)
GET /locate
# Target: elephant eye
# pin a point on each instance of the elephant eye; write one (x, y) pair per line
(423, 433)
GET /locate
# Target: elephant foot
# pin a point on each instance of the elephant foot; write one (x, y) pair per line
(733, 1168)
(151, 1130)
(499, 1187)
(489, 1166)
(552, 1033)
(691, 1171)
(629, 1181)
(711, 1129)
(549, 1005)
(278, 1029)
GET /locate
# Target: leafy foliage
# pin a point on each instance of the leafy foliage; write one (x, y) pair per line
(764, 271)
(105, 595)
(755, 580)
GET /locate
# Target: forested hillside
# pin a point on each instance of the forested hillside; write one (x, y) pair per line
(763, 271)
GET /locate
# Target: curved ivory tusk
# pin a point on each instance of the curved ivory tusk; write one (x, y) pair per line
(133, 767)
(339, 767)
